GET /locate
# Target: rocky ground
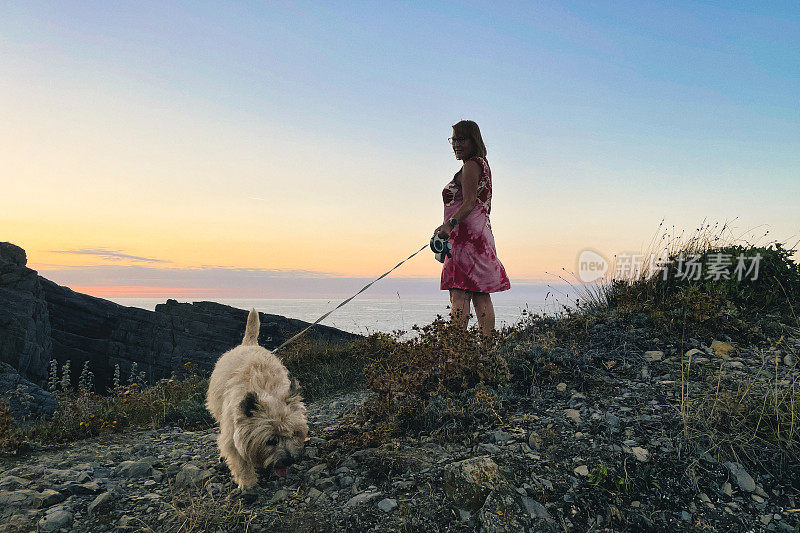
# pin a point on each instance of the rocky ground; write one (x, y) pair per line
(599, 454)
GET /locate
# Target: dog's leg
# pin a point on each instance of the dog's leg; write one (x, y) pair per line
(242, 473)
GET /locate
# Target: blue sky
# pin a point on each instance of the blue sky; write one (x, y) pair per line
(226, 133)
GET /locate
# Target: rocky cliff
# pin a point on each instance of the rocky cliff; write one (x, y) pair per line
(40, 320)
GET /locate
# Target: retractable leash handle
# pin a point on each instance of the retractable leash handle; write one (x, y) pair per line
(441, 248)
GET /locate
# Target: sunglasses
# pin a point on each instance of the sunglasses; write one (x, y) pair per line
(454, 140)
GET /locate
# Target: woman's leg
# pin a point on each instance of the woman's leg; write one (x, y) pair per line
(485, 311)
(459, 307)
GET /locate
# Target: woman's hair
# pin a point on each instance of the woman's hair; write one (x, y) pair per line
(468, 128)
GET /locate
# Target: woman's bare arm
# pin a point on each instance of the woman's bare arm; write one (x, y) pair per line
(470, 174)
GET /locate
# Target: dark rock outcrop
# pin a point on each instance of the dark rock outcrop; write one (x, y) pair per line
(26, 401)
(40, 320)
(25, 341)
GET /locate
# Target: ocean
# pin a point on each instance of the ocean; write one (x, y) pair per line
(365, 314)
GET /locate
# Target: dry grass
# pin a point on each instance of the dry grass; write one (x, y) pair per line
(753, 419)
(199, 511)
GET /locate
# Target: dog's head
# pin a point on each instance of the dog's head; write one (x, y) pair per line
(271, 431)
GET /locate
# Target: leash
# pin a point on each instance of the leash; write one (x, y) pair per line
(365, 287)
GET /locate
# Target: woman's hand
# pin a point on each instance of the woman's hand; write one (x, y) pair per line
(443, 231)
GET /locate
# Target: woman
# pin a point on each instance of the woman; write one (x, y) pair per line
(473, 271)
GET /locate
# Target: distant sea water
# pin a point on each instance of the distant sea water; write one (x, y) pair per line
(365, 315)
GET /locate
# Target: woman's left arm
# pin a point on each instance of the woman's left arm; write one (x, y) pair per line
(470, 175)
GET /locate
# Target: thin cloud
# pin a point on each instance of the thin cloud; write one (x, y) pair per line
(111, 255)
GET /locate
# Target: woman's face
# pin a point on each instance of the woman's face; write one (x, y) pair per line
(462, 147)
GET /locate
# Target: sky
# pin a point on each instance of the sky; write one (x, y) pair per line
(292, 148)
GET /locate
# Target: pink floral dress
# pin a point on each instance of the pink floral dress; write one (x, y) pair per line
(474, 265)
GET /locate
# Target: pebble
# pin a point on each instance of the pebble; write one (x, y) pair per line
(133, 469)
(640, 453)
(53, 521)
(48, 498)
(101, 503)
(582, 471)
(362, 497)
(727, 489)
(653, 355)
(387, 505)
(743, 479)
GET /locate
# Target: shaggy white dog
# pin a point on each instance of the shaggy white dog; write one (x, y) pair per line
(262, 423)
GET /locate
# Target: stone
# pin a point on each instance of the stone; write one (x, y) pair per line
(101, 504)
(79, 488)
(722, 349)
(536, 509)
(362, 497)
(26, 400)
(387, 505)
(13, 483)
(53, 521)
(48, 498)
(573, 414)
(500, 437)
(561, 387)
(727, 489)
(581, 470)
(191, 476)
(470, 481)
(316, 469)
(133, 469)
(653, 356)
(693, 353)
(325, 483)
(279, 496)
(17, 498)
(640, 453)
(612, 421)
(26, 341)
(743, 479)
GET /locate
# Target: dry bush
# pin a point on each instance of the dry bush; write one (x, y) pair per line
(437, 381)
(10, 438)
(80, 415)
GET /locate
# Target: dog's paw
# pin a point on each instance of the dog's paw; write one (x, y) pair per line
(247, 495)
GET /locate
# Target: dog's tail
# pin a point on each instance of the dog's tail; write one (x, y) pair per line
(252, 329)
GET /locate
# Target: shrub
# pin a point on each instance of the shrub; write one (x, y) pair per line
(438, 381)
(733, 304)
